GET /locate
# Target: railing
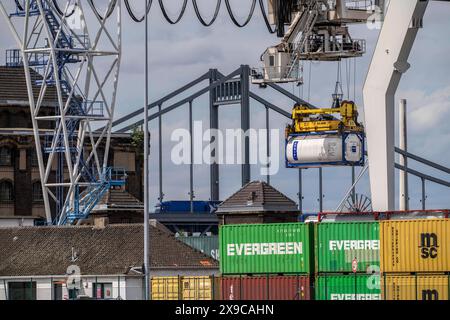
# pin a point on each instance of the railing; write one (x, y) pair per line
(33, 10)
(277, 74)
(92, 195)
(386, 215)
(337, 45)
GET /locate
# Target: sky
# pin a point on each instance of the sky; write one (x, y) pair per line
(180, 53)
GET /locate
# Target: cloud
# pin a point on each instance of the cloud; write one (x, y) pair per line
(185, 51)
(429, 111)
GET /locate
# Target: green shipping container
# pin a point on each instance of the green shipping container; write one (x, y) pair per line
(266, 248)
(348, 287)
(339, 244)
(207, 245)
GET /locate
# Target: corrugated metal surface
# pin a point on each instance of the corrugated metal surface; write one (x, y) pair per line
(348, 287)
(266, 248)
(338, 244)
(266, 288)
(182, 288)
(207, 245)
(165, 288)
(415, 287)
(415, 246)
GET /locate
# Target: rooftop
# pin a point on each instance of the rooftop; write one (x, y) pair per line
(257, 196)
(13, 87)
(113, 250)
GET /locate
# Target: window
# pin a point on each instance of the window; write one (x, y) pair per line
(22, 290)
(6, 191)
(102, 290)
(57, 291)
(272, 61)
(34, 159)
(5, 156)
(37, 192)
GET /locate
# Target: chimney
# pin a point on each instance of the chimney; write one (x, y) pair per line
(100, 223)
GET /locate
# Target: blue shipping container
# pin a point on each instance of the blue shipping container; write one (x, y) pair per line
(185, 206)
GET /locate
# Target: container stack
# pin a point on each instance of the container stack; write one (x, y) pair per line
(347, 261)
(264, 253)
(184, 288)
(415, 259)
(266, 261)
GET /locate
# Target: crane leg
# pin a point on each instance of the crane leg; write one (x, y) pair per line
(402, 21)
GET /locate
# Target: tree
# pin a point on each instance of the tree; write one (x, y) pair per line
(137, 140)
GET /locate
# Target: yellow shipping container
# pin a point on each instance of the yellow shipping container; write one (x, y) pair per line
(182, 288)
(420, 287)
(415, 246)
(165, 288)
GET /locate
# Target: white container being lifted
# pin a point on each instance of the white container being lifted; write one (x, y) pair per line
(319, 150)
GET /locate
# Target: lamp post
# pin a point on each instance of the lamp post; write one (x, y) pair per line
(146, 168)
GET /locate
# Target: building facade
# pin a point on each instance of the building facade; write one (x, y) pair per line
(20, 187)
(92, 262)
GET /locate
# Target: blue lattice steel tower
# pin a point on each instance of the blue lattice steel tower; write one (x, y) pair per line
(57, 49)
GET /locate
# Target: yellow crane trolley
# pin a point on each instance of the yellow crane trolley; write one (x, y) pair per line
(308, 120)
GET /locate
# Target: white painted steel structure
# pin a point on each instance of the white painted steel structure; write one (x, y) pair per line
(403, 160)
(87, 45)
(402, 21)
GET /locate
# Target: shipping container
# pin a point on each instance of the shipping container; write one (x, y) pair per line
(415, 287)
(207, 245)
(348, 287)
(294, 287)
(183, 288)
(266, 248)
(415, 246)
(330, 149)
(339, 244)
(185, 206)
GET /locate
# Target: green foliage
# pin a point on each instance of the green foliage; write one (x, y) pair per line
(137, 139)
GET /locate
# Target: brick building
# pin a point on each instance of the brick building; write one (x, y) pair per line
(20, 188)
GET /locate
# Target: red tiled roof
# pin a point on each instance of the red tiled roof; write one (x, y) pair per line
(113, 250)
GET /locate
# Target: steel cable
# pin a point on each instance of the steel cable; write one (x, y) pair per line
(111, 8)
(19, 6)
(131, 13)
(266, 19)
(199, 16)
(164, 12)
(60, 12)
(250, 15)
(134, 17)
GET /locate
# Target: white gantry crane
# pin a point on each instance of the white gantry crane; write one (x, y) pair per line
(79, 59)
(402, 21)
(318, 31)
